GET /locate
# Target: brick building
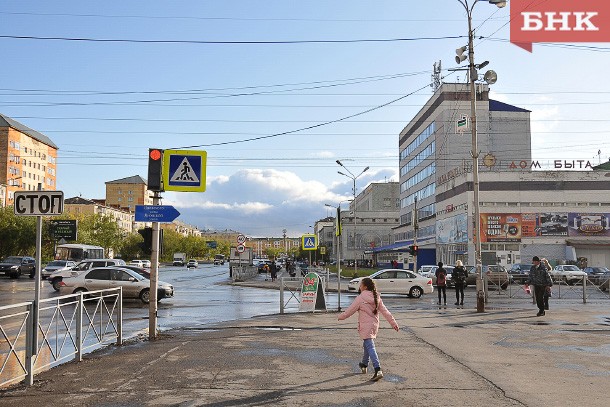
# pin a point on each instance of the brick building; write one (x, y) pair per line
(126, 193)
(27, 158)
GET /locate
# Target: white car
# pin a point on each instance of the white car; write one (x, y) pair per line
(57, 265)
(133, 284)
(425, 270)
(192, 264)
(397, 281)
(569, 273)
(137, 263)
(147, 264)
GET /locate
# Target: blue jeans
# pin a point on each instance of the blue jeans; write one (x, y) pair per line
(370, 352)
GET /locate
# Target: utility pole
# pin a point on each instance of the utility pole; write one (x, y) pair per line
(154, 273)
(415, 227)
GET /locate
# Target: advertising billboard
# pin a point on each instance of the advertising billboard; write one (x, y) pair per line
(588, 224)
(507, 227)
(452, 230)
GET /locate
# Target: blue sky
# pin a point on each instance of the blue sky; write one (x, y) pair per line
(105, 103)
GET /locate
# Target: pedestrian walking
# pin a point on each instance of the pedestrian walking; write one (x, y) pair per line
(541, 280)
(273, 270)
(458, 277)
(548, 292)
(369, 305)
(441, 282)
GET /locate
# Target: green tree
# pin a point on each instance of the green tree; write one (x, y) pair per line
(17, 233)
(100, 230)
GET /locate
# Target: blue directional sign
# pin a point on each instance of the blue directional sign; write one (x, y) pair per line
(156, 213)
(309, 242)
(184, 170)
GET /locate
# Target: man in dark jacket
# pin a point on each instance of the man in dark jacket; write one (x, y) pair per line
(541, 280)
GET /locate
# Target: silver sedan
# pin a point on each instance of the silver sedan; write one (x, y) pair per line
(133, 284)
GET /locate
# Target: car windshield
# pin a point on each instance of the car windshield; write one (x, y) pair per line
(571, 268)
(599, 269)
(134, 274)
(60, 263)
(12, 260)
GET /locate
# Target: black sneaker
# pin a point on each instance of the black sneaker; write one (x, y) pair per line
(363, 367)
(457, 303)
(540, 314)
(462, 303)
(378, 375)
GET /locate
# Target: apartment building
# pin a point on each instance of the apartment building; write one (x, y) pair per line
(79, 206)
(126, 193)
(28, 159)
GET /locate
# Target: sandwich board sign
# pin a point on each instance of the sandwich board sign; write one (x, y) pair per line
(312, 295)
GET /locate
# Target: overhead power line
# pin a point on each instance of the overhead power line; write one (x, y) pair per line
(227, 42)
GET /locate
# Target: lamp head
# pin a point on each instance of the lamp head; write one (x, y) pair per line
(498, 3)
(366, 169)
(339, 162)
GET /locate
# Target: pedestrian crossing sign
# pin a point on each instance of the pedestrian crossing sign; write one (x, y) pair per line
(309, 242)
(184, 170)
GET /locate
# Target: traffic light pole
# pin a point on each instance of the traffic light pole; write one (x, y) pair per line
(154, 273)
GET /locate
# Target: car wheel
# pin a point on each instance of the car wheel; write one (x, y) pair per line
(55, 283)
(79, 290)
(145, 296)
(16, 275)
(415, 292)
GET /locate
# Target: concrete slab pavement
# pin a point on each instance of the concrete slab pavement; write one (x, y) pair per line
(443, 357)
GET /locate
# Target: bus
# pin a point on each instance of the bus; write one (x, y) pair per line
(78, 252)
(219, 259)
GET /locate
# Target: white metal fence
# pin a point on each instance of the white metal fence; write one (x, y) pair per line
(67, 327)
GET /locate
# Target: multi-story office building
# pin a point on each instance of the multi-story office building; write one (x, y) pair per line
(372, 223)
(128, 192)
(559, 210)
(28, 159)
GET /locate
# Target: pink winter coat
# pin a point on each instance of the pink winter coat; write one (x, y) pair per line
(368, 322)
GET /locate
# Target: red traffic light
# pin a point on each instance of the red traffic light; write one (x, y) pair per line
(155, 154)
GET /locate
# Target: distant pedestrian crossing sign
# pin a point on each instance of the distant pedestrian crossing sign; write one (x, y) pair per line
(309, 242)
(184, 170)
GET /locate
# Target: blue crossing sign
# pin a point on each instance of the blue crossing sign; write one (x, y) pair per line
(309, 242)
(156, 213)
(184, 170)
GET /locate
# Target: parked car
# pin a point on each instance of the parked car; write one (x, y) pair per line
(147, 264)
(520, 272)
(496, 275)
(133, 284)
(597, 275)
(57, 265)
(15, 266)
(425, 270)
(141, 271)
(397, 281)
(137, 263)
(57, 276)
(192, 264)
(448, 269)
(568, 273)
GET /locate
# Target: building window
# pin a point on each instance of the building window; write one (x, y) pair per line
(120, 199)
(428, 131)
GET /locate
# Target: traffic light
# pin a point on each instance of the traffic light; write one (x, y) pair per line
(155, 160)
(459, 54)
(413, 250)
(146, 246)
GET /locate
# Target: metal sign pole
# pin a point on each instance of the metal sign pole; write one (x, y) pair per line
(154, 272)
(36, 308)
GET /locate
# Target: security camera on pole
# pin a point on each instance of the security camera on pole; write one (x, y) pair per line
(491, 78)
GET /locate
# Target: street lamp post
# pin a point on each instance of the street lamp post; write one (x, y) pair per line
(338, 250)
(353, 178)
(473, 76)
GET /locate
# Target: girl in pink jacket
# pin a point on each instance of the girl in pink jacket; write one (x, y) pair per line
(369, 304)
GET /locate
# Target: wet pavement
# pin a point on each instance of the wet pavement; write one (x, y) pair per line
(446, 357)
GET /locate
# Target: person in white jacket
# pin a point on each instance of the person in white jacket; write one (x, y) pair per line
(369, 305)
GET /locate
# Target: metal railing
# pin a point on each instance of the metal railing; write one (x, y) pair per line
(583, 289)
(67, 326)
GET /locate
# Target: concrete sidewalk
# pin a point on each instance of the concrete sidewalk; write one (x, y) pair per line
(445, 357)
